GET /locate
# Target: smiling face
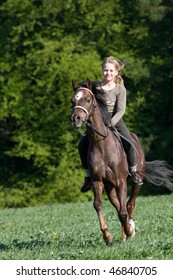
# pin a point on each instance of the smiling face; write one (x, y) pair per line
(109, 72)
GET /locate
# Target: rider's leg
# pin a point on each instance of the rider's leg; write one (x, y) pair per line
(130, 152)
(83, 151)
(132, 160)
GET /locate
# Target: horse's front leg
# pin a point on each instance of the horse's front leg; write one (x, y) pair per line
(98, 189)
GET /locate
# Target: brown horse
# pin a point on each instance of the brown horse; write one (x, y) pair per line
(107, 161)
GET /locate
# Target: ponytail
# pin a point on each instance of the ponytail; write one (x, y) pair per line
(119, 80)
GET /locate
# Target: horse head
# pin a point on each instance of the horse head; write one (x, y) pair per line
(82, 103)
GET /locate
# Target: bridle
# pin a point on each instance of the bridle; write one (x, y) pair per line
(89, 112)
(81, 107)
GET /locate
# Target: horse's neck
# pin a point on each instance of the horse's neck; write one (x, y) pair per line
(99, 130)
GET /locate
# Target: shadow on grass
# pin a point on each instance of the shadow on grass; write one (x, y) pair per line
(3, 247)
(24, 245)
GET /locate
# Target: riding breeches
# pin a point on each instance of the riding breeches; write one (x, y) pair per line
(127, 142)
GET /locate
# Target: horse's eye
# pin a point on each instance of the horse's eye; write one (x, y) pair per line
(89, 99)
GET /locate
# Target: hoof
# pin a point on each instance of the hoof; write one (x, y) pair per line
(132, 236)
(124, 236)
(109, 240)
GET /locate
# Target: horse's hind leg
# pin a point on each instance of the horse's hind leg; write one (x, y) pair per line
(132, 200)
(127, 227)
(98, 189)
(111, 193)
(131, 206)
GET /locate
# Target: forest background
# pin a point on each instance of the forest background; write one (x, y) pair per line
(44, 44)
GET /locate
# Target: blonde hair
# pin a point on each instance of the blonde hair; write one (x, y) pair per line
(119, 65)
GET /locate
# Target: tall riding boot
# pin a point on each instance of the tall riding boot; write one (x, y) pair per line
(87, 183)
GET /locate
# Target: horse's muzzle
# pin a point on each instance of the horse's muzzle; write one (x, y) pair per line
(77, 121)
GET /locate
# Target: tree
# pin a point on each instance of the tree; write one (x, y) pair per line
(43, 46)
(35, 103)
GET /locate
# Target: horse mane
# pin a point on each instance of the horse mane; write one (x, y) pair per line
(99, 96)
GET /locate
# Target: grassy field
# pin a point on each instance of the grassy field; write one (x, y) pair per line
(71, 232)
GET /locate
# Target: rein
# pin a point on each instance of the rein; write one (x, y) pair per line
(93, 128)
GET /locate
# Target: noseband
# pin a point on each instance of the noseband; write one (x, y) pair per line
(81, 107)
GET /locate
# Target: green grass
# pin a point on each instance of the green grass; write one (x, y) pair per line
(71, 231)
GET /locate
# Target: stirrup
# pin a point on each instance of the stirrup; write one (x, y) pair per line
(136, 179)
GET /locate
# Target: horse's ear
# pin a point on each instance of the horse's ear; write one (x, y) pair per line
(89, 84)
(74, 85)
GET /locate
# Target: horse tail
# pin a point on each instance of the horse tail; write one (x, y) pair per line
(159, 173)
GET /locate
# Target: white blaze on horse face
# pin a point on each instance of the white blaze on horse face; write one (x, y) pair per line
(79, 95)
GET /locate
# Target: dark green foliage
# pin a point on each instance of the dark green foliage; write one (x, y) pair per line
(43, 46)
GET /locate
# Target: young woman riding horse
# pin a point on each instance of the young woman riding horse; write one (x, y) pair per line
(107, 162)
(113, 91)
